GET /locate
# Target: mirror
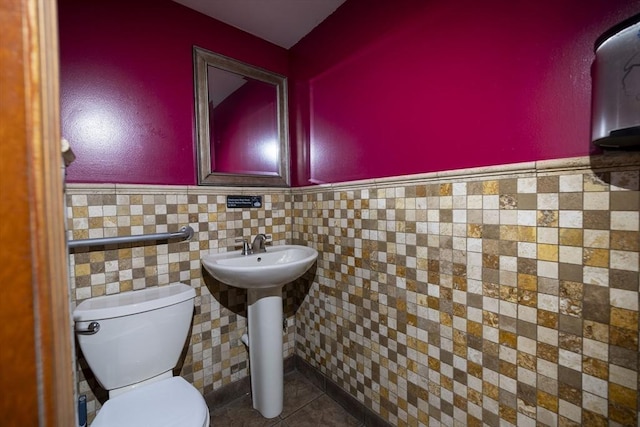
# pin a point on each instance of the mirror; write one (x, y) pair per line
(241, 123)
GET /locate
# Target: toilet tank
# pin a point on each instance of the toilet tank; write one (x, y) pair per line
(141, 333)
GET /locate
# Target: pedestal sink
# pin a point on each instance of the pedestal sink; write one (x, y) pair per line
(263, 275)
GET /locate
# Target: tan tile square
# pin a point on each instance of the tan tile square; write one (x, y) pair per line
(474, 230)
(623, 339)
(547, 252)
(446, 189)
(625, 240)
(547, 401)
(623, 415)
(508, 339)
(547, 319)
(527, 298)
(570, 236)
(547, 352)
(490, 390)
(596, 257)
(490, 187)
(596, 331)
(623, 396)
(594, 419)
(548, 184)
(82, 269)
(527, 201)
(570, 201)
(596, 220)
(570, 342)
(509, 293)
(509, 232)
(595, 367)
(625, 201)
(526, 234)
(528, 282)
(570, 394)
(625, 319)
(526, 361)
(572, 290)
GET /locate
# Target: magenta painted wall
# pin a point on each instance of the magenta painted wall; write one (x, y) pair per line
(385, 88)
(245, 131)
(381, 88)
(127, 86)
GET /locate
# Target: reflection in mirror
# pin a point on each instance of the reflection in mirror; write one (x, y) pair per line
(241, 121)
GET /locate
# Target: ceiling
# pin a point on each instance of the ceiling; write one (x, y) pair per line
(282, 22)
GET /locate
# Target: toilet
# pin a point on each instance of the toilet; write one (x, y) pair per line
(132, 341)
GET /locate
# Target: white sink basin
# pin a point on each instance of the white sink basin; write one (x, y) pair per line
(278, 266)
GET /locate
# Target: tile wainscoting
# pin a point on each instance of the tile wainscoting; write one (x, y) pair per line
(501, 295)
(214, 355)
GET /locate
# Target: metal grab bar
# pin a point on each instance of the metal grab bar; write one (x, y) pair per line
(185, 232)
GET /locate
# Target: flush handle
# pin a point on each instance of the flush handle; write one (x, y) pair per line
(92, 329)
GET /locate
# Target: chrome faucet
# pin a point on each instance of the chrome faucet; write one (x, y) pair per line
(258, 244)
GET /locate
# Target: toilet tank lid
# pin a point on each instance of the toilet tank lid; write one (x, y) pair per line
(126, 303)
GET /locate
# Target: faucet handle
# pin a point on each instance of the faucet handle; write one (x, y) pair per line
(258, 244)
(246, 248)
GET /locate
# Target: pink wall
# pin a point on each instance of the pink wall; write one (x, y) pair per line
(127, 86)
(387, 88)
(381, 88)
(245, 131)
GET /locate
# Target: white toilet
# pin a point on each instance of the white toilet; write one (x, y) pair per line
(132, 342)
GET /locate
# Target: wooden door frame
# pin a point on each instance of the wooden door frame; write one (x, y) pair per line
(36, 365)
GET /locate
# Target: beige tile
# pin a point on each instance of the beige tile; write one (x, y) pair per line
(570, 183)
(596, 201)
(597, 239)
(628, 221)
(624, 260)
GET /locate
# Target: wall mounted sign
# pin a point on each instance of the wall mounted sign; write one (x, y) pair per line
(244, 201)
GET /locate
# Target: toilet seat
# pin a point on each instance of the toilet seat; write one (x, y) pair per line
(167, 403)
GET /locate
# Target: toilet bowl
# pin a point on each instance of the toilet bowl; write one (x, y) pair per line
(167, 403)
(132, 342)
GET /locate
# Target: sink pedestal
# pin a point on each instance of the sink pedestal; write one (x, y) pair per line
(265, 349)
(263, 275)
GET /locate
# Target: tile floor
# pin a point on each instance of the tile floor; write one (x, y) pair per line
(304, 405)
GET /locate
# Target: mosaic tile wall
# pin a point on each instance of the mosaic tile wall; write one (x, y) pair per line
(496, 298)
(478, 300)
(215, 355)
